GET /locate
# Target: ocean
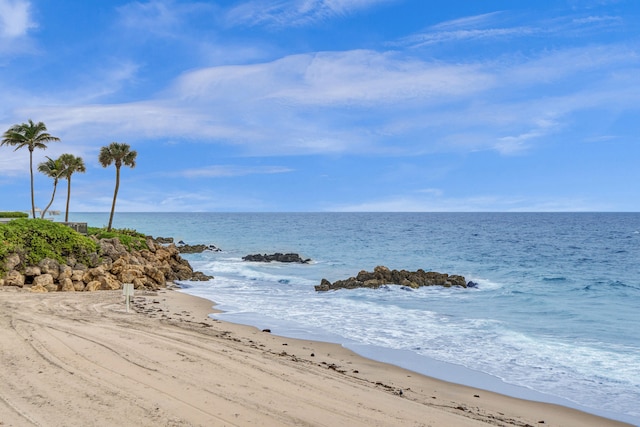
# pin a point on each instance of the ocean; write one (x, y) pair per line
(555, 316)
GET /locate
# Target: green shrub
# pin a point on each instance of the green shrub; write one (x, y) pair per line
(131, 239)
(35, 239)
(14, 215)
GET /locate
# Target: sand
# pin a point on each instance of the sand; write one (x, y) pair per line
(79, 359)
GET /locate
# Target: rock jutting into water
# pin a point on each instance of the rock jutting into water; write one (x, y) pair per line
(383, 276)
(108, 269)
(196, 249)
(276, 257)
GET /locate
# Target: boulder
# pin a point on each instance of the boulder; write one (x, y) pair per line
(38, 289)
(94, 285)
(46, 281)
(14, 278)
(49, 266)
(32, 271)
(66, 285)
(112, 248)
(93, 274)
(109, 282)
(11, 262)
(66, 272)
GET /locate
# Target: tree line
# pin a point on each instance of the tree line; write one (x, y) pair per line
(34, 136)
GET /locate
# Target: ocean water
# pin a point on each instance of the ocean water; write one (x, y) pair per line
(555, 316)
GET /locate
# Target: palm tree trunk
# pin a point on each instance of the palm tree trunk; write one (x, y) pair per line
(33, 201)
(115, 194)
(55, 185)
(66, 212)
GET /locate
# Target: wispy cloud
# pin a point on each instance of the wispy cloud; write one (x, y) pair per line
(482, 203)
(162, 17)
(226, 171)
(294, 13)
(503, 27)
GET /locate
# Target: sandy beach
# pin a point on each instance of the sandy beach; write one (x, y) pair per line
(79, 359)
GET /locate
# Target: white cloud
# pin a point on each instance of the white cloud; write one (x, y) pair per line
(15, 18)
(357, 77)
(364, 101)
(293, 13)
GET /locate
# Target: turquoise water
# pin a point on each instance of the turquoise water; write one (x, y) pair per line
(555, 316)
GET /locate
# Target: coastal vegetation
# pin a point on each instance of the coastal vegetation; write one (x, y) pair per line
(36, 239)
(131, 239)
(31, 135)
(119, 154)
(46, 256)
(14, 215)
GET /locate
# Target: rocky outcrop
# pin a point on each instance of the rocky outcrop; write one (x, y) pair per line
(196, 249)
(108, 269)
(276, 257)
(383, 276)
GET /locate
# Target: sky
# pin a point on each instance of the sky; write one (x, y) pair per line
(328, 105)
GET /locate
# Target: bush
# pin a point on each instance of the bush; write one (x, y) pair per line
(14, 215)
(36, 239)
(131, 239)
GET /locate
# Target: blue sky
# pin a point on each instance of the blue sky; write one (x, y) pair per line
(329, 105)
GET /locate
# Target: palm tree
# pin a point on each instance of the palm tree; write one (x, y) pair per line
(119, 154)
(30, 135)
(51, 168)
(70, 164)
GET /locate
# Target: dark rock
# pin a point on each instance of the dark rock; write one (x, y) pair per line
(382, 276)
(196, 249)
(291, 257)
(199, 276)
(164, 240)
(471, 284)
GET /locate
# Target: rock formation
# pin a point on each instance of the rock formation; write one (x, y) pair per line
(276, 257)
(196, 249)
(383, 276)
(108, 269)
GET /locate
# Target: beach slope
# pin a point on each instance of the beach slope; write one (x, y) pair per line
(79, 359)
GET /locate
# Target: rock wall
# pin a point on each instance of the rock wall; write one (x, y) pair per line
(108, 270)
(383, 276)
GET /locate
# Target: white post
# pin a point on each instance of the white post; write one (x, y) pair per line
(127, 291)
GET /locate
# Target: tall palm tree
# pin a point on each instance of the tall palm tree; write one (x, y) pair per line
(119, 154)
(70, 164)
(53, 169)
(30, 135)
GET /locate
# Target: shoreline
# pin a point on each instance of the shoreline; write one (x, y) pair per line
(456, 375)
(168, 363)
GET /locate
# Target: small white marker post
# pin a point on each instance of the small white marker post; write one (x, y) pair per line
(127, 291)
